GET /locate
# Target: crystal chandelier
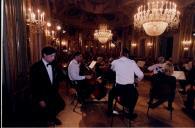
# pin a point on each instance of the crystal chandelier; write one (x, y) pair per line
(36, 19)
(156, 16)
(103, 34)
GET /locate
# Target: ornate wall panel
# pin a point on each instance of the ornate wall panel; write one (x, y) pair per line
(186, 27)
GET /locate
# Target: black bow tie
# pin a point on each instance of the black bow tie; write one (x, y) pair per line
(48, 64)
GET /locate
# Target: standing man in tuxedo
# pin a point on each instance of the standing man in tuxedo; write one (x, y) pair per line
(45, 77)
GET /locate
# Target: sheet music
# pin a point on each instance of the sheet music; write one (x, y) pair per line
(92, 64)
(179, 75)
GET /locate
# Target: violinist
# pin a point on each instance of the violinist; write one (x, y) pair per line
(75, 77)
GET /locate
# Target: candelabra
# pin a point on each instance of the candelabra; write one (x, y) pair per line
(186, 44)
(35, 20)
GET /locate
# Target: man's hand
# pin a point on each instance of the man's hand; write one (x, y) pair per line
(88, 77)
(42, 104)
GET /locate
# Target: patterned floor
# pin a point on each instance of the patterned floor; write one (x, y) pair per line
(95, 114)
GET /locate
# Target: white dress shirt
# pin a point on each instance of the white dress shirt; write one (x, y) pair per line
(157, 68)
(125, 70)
(49, 70)
(73, 71)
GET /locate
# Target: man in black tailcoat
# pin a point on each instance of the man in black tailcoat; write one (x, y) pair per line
(45, 77)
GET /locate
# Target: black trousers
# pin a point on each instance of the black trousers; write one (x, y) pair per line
(54, 104)
(84, 90)
(128, 94)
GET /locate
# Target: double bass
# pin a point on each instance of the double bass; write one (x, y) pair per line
(99, 90)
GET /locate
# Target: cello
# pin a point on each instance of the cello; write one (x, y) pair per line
(99, 90)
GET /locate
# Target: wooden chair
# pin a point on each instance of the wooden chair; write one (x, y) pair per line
(162, 89)
(76, 95)
(118, 100)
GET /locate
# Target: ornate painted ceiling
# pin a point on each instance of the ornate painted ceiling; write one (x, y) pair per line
(89, 13)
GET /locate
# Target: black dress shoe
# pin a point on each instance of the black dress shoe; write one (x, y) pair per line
(170, 108)
(50, 123)
(131, 116)
(109, 113)
(57, 121)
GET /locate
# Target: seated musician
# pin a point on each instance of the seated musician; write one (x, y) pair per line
(99, 66)
(190, 89)
(101, 73)
(163, 87)
(124, 87)
(103, 70)
(157, 67)
(75, 77)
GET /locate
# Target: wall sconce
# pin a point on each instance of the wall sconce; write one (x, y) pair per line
(112, 45)
(35, 18)
(58, 28)
(64, 43)
(133, 45)
(51, 30)
(185, 48)
(58, 41)
(149, 44)
(102, 46)
(193, 34)
(186, 44)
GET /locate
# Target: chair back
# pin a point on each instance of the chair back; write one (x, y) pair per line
(163, 86)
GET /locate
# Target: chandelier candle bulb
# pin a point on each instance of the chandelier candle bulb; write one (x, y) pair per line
(33, 17)
(38, 16)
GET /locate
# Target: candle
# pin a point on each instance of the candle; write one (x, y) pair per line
(166, 5)
(162, 5)
(38, 17)
(52, 33)
(33, 16)
(170, 4)
(29, 14)
(43, 16)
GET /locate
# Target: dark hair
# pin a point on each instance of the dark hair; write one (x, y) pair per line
(125, 52)
(76, 54)
(48, 50)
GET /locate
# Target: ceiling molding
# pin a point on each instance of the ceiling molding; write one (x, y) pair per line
(89, 13)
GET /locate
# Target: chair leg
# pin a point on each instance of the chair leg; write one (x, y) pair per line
(129, 121)
(148, 111)
(170, 108)
(149, 103)
(75, 105)
(111, 122)
(171, 114)
(77, 101)
(113, 114)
